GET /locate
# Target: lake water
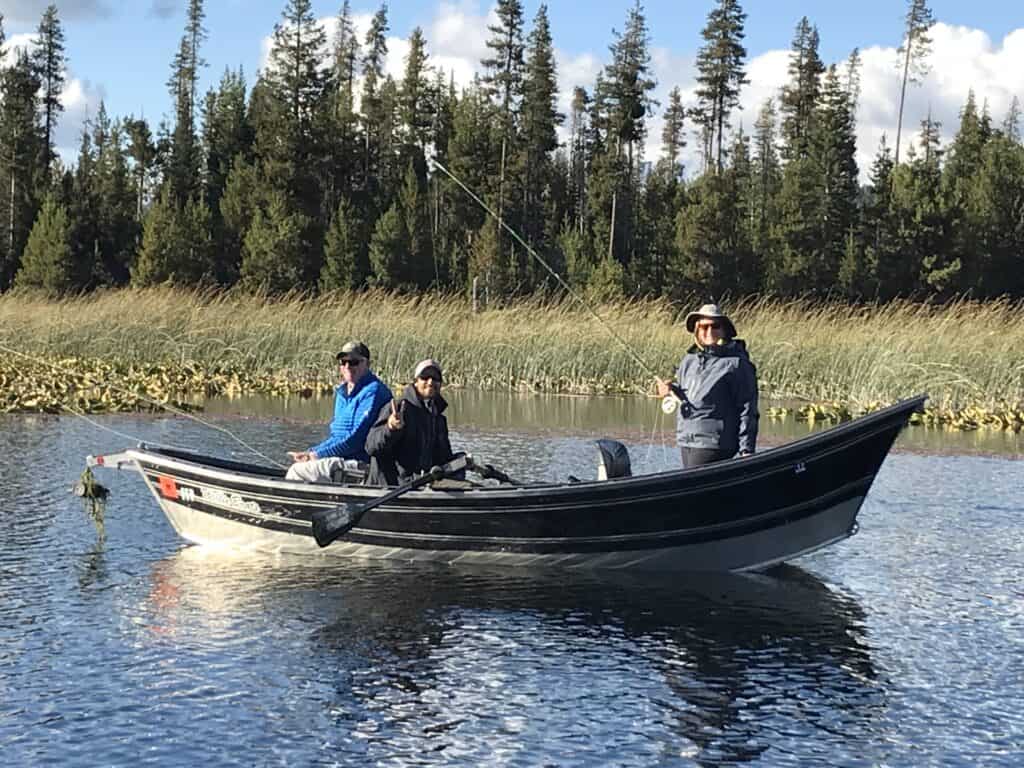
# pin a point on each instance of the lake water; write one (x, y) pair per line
(902, 646)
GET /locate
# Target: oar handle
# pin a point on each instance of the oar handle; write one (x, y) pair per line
(329, 524)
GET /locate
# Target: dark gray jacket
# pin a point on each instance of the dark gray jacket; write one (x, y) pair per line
(395, 457)
(721, 393)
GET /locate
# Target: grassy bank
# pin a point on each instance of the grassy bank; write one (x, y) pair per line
(845, 360)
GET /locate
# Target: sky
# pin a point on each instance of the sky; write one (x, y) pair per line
(120, 52)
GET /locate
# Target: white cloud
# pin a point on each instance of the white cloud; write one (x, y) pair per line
(15, 44)
(961, 59)
(165, 9)
(457, 40)
(81, 100)
(30, 11)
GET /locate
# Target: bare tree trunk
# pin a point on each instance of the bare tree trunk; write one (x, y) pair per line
(501, 189)
(10, 229)
(903, 94)
(611, 230)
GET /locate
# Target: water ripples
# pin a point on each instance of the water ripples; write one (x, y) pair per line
(901, 646)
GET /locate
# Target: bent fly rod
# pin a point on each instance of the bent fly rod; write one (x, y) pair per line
(678, 395)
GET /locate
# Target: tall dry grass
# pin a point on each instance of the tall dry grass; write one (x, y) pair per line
(963, 353)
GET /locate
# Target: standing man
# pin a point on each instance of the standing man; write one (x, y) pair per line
(357, 401)
(411, 434)
(718, 416)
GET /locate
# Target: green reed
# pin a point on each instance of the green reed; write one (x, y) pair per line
(964, 354)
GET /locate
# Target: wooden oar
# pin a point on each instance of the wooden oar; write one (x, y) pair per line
(329, 524)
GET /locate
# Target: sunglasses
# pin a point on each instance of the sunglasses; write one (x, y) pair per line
(430, 377)
(350, 362)
(709, 326)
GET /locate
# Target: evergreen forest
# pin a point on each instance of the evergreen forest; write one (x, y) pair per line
(327, 174)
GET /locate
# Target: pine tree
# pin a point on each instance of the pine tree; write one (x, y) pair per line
(227, 134)
(1011, 124)
(83, 203)
(20, 146)
(142, 151)
(290, 143)
(50, 60)
(415, 104)
(922, 231)
(162, 243)
(998, 204)
(473, 158)
(963, 163)
(342, 134)
(539, 122)
(882, 261)
(800, 96)
(627, 103)
(344, 255)
(274, 247)
(721, 74)
(244, 192)
(913, 53)
(421, 267)
(578, 157)
(183, 161)
(117, 229)
(375, 51)
(503, 82)
(835, 150)
(852, 86)
(713, 248)
(798, 265)
(767, 178)
(47, 263)
(389, 250)
(673, 138)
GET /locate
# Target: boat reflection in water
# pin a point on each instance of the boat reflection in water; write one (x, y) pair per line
(410, 659)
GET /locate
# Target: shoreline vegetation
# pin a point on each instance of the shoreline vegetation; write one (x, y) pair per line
(144, 349)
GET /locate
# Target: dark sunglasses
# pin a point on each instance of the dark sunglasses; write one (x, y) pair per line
(350, 362)
(430, 376)
(712, 326)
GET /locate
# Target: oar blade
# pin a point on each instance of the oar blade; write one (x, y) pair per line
(329, 524)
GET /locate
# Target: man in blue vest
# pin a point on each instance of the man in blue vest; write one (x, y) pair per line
(357, 401)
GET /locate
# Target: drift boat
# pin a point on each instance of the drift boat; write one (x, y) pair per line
(737, 515)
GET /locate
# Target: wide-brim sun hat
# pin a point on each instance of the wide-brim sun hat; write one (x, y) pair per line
(711, 312)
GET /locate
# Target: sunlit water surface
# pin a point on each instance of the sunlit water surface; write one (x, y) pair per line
(900, 646)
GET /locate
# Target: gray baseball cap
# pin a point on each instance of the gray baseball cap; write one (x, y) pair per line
(354, 349)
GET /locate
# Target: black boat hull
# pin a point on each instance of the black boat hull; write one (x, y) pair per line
(742, 514)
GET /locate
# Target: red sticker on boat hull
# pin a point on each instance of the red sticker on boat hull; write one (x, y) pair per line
(168, 489)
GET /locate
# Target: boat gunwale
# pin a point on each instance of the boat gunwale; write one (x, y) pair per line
(706, 478)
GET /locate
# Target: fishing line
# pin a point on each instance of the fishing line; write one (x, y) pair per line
(572, 292)
(134, 438)
(157, 403)
(670, 402)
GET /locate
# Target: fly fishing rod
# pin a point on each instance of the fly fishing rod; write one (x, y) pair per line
(678, 395)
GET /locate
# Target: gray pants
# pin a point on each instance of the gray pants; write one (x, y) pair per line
(698, 457)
